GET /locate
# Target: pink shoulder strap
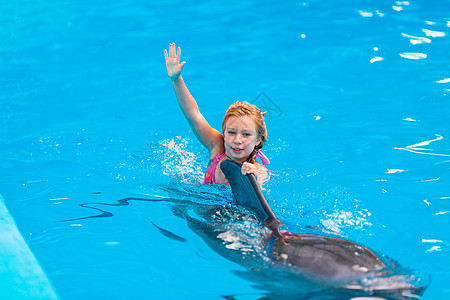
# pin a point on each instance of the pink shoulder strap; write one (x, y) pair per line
(210, 176)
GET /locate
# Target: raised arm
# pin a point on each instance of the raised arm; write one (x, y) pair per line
(208, 136)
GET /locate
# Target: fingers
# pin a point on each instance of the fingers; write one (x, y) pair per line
(248, 168)
(173, 52)
(171, 49)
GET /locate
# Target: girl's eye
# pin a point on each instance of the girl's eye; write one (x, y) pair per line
(231, 132)
(247, 134)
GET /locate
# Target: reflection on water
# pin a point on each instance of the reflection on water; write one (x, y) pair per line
(415, 55)
(417, 148)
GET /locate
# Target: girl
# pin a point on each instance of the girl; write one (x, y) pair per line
(243, 128)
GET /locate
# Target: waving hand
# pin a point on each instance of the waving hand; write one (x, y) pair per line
(173, 65)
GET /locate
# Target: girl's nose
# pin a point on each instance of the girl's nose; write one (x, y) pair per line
(237, 139)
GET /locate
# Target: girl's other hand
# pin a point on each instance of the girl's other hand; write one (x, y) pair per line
(260, 172)
(173, 65)
(248, 168)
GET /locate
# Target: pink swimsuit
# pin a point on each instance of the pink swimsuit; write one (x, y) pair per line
(210, 176)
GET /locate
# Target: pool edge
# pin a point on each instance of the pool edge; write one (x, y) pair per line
(21, 276)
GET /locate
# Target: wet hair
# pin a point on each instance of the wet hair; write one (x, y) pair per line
(240, 109)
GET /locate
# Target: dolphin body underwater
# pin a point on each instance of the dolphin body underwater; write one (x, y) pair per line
(281, 264)
(321, 258)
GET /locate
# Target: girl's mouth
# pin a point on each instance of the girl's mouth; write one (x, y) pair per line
(237, 150)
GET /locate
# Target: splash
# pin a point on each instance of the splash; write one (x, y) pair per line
(337, 220)
(309, 204)
(178, 159)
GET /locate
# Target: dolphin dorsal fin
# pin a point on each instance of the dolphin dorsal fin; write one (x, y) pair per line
(247, 192)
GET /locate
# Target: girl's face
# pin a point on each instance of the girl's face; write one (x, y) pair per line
(240, 138)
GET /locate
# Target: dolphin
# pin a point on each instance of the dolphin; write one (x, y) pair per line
(320, 258)
(284, 265)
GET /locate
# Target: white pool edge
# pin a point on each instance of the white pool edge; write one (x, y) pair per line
(21, 276)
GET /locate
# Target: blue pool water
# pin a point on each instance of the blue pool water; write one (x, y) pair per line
(358, 102)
